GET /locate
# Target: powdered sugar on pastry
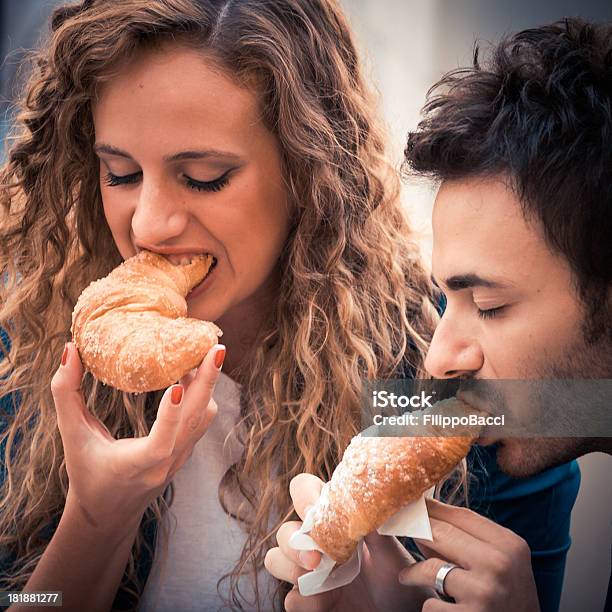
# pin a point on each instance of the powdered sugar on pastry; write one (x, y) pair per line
(379, 475)
(131, 327)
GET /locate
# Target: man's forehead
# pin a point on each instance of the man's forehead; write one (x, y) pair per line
(469, 280)
(479, 229)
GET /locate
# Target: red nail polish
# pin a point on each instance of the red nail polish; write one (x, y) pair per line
(219, 357)
(177, 394)
(65, 355)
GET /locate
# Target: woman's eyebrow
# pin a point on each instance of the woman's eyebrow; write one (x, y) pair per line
(183, 155)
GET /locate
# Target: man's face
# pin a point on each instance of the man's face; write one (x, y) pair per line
(512, 311)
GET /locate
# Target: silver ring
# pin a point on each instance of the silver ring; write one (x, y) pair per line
(441, 575)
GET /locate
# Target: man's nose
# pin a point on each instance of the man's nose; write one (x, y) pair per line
(453, 352)
(158, 215)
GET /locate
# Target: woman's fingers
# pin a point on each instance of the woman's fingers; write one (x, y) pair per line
(305, 490)
(186, 380)
(162, 437)
(198, 408)
(184, 414)
(72, 413)
(203, 384)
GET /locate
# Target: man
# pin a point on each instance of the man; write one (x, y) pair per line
(523, 253)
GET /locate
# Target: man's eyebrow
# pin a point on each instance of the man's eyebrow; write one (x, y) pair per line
(467, 281)
(111, 150)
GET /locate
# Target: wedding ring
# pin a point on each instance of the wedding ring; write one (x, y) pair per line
(441, 575)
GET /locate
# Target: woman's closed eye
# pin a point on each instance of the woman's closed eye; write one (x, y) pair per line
(490, 313)
(214, 185)
(113, 180)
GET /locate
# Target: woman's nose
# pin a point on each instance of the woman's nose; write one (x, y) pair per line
(158, 215)
(453, 352)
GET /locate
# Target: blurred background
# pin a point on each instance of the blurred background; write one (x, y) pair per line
(407, 45)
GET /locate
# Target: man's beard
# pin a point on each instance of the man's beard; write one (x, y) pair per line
(526, 456)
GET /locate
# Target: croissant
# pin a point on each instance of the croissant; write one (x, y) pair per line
(379, 475)
(131, 327)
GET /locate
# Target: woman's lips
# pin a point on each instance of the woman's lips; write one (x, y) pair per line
(208, 279)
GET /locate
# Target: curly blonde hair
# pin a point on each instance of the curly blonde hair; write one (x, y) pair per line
(354, 303)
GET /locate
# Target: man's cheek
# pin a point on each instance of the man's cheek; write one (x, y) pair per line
(513, 458)
(522, 457)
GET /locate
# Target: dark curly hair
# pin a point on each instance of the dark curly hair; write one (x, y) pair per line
(540, 112)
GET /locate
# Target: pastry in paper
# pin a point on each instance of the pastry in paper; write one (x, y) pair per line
(379, 475)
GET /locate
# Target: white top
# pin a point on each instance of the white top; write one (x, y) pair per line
(204, 542)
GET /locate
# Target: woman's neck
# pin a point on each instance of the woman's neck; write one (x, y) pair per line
(242, 324)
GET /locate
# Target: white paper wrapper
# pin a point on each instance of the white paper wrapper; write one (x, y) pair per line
(411, 521)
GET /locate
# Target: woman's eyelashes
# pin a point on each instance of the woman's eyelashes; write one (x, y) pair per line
(490, 313)
(113, 180)
(214, 185)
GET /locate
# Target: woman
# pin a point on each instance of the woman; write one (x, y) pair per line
(240, 129)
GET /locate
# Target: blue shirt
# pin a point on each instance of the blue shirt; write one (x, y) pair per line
(536, 508)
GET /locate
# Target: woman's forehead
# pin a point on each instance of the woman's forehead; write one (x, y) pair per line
(176, 95)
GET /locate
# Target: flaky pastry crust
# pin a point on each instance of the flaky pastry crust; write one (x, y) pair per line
(131, 327)
(377, 477)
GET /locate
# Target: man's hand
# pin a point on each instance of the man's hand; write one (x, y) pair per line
(375, 589)
(494, 573)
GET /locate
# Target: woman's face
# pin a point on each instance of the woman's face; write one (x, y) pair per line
(186, 165)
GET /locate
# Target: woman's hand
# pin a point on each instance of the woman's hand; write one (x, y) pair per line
(494, 573)
(111, 482)
(377, 586)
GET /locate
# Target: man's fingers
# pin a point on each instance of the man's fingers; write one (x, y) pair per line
(423, 574)
(281, 567)
(455, 544)
(470, 522)
(437, 605)
(305, 490)
(308, 559)
(294, 602)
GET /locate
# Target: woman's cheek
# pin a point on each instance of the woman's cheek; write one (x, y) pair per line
(118, 218)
